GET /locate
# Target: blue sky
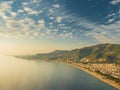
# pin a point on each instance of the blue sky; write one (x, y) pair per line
(46, 25)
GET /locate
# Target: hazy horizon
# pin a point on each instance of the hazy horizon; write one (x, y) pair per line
(38, 26)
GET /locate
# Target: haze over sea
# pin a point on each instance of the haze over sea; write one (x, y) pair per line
(18, 74)
(31, 27)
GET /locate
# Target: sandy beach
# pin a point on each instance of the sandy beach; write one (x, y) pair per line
(98, 76)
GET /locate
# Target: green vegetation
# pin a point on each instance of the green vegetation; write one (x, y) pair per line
(107, 53)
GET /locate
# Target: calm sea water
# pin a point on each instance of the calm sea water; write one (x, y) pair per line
(18, 74)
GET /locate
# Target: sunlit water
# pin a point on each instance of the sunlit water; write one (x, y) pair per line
(18, 74)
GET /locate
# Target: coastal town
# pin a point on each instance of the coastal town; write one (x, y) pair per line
(107, 71)
(112, 70)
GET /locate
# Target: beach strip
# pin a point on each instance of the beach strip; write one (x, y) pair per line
(98, 76)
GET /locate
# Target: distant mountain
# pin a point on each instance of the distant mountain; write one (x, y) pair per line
(98, 53)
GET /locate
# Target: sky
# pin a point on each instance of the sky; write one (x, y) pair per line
(38, 26)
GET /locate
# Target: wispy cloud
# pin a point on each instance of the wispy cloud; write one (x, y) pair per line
(115, 2)
(56, 5)
(42, 19)
(21, 25)
(106, 33)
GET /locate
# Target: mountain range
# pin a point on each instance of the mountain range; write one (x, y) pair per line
(101, 53)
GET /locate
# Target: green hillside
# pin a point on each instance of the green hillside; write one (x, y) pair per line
(98, 53)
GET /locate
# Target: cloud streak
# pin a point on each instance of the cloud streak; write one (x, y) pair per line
(115, 2)
(38, 19)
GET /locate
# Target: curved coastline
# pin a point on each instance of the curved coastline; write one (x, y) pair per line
(96, 75)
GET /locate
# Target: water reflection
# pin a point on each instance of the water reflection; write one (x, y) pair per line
(22, 73)
(18, 74)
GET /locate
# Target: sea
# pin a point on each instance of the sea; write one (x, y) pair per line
(21, 74)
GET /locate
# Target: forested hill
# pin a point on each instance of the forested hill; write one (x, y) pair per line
(98, 53)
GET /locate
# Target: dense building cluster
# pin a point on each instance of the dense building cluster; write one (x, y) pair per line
(108, 70)
(112, 70)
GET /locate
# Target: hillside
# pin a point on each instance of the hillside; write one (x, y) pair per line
(98, 53)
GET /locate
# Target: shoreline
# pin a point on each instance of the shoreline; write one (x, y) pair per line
(96, 75)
